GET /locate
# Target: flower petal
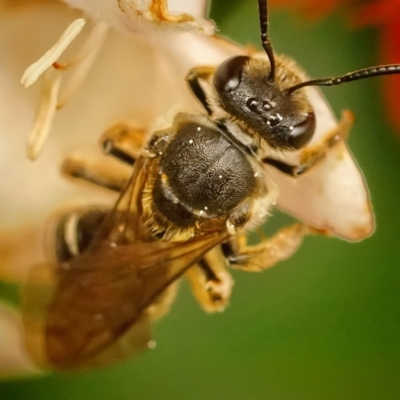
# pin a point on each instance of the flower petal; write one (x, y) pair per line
(134, 80)
(132, 16)
(332, 196)
(380, 12)
(14, 360)
(129, 82)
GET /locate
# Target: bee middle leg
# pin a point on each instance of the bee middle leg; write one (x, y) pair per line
(212, 284)
(210, 281)
(268, 252)
(313, 155)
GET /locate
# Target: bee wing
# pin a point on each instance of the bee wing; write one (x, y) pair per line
(123, 223)
(95, 309)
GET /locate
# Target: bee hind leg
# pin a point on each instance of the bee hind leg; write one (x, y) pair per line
(121, 141)
(269, 251)
(94, 173)
(210, 281)
(311, 156)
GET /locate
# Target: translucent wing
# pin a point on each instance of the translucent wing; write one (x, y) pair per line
(94, 310)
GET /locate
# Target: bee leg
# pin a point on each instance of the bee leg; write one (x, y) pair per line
(313, 155)
(268, 252)
(192, 79)
(163, 302)
(97, 174)
(211, 283)
(123, 142)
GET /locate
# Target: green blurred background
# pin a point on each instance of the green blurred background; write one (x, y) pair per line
(323, 325)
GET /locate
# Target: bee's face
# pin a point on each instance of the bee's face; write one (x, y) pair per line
(244, 91)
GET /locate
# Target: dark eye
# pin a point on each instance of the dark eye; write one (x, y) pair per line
(227, 77)
(303, 132)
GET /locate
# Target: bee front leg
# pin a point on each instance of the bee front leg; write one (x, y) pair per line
(268, 252)
(313, 155)
(192, 79)
(210, 281)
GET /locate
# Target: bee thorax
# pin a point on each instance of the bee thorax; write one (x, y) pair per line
(204, 175)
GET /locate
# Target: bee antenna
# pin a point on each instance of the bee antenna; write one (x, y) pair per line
(266, 44)
(349, 77)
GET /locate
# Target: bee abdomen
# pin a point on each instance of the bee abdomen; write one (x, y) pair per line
(203, 174)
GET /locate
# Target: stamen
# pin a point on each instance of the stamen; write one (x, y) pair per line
(48, 65)
(45, 113)
(84, 60)
(34, 71)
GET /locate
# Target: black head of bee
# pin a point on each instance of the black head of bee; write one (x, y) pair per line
(246, 92)
(257, 95)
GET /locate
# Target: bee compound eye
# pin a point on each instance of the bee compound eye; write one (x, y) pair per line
(302, 133)
(228, 74)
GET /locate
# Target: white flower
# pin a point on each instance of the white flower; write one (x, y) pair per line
(128, 63)
(13, 359)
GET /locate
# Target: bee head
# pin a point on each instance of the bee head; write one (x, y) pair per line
(258, 101)
(263, 95)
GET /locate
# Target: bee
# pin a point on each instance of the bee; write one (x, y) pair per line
(197, 186)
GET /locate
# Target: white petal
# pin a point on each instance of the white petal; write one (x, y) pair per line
(52, 70)
(133, 16)
(333, 196)
(131, 81)
(14, 360)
